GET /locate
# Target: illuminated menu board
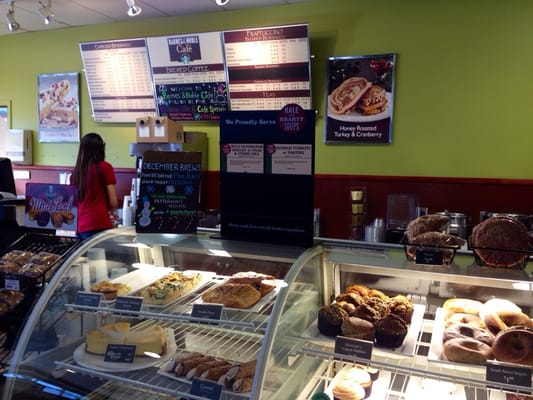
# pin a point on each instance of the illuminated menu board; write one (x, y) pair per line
(268, 67)
(119, 79)
(189, 76)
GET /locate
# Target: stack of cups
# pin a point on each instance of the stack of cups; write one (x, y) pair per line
(126, 211)
(97, 264)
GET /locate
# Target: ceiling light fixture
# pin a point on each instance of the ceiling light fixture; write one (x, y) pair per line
(222, 2)
(133, 9)
(12, 25)
(46, 11)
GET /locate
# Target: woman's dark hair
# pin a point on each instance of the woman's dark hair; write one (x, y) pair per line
(91, 150)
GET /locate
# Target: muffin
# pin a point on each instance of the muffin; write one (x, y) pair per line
(353, 298)
(348, 307)
(360, 376)
(402, 307)
(377, 293)
(345, 389)
(361, 290)
(391, 331)
(43, 218)
(368, 313)
(378, 304)
(330, 319)
(358, 328)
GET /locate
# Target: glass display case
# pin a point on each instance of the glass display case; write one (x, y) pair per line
(268, 348)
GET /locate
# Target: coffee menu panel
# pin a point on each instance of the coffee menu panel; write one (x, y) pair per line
(119, 79)
(268, 67)
(189, 76)
(196, 76)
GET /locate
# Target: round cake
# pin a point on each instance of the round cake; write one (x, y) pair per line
(500, 242)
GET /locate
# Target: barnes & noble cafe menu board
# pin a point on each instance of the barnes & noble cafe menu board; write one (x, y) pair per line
(194, 77)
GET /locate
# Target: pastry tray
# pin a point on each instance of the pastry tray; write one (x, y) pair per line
(257, 307)
(96, 361)
(205, 278)
(408, 347)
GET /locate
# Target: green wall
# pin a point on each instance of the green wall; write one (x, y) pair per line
(464, 81)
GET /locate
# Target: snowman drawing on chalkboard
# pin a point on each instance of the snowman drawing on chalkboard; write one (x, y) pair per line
(145, 219)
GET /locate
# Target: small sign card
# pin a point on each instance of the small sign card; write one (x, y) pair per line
(128, 303)
(88, 299)
(209, 390)
(430, 257)
(12, 284)
(510, 374)
(120, 353)
(354, 347)
(207, 311)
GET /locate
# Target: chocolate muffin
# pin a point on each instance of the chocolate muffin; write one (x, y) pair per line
(330, 319)
(42, 218)
(368, 313)
(391, 331)
(358, 328)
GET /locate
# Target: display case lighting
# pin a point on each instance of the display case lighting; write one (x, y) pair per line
(222, 2)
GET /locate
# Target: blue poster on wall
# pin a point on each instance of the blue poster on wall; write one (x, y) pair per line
(267, 175)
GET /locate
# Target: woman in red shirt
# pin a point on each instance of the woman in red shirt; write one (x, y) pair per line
(96, 181)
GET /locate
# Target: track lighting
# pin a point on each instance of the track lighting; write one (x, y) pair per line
(222, 2)
(133, 9)
(12, 25)
(46, 11)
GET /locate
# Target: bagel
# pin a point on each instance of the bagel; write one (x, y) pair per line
(460, 330)
(497, 305)
(468, 351)
(514, 345)
(460, 305)
(498, 321)
(464, 318)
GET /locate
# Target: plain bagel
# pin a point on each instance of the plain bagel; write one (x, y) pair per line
(514, 345)
(468, 351)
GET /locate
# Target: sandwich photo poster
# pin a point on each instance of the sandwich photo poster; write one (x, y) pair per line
(359, 99)
(58, 107)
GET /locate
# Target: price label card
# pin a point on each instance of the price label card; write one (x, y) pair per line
(209, 390)
(510, 374)
(428, 257)
(207, 311)
(129, 303)
(88, 299)
(120, 353)
(354, 347)
(12, 284)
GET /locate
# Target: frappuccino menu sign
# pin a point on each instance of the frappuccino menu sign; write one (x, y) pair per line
(169, 192)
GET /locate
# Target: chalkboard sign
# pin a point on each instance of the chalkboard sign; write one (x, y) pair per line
(169, 192)
(192, 101)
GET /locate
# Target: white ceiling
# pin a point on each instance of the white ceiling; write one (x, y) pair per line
(89, 12)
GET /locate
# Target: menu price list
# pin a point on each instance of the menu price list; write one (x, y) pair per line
(268, 68)
(119, 79)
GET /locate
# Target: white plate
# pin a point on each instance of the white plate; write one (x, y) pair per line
(407, 348)
(205, 277)
(422, 388)
(257, 307)
(96, 362)
(379, 387)
(356, 116)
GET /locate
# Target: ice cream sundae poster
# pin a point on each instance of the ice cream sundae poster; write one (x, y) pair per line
(359, 99)
(58, 107)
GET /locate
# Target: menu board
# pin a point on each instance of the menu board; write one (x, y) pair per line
(189, 76)
(119, 79)
(268, 68)
(169, 192)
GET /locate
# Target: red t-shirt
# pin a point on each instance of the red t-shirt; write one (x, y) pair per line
(92, 210)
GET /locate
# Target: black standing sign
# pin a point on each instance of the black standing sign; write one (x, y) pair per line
(169, 192)
(267, 175)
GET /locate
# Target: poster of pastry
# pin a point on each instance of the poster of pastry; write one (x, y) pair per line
(359, 99)
(58, 101)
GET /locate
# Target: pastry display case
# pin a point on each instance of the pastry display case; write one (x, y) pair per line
(209, 338)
